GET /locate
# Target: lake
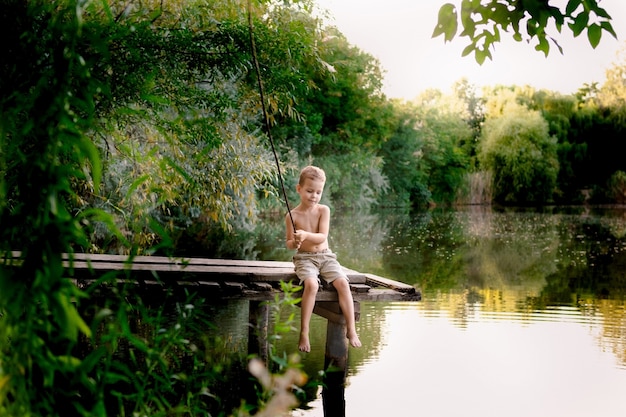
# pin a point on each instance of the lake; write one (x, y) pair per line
(523, 313)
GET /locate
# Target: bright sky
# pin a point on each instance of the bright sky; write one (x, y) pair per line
(398, 33)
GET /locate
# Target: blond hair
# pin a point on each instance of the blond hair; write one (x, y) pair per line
(312, 173)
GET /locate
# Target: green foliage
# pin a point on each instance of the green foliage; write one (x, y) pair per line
(353, 180)
(343, 109)
(401, 154)
(83, 75)
(483, 22)
(159, 361)
(46, 106)
(517, 147)
(157, 357)
(426, 161)
(179, 112)
(443, 161)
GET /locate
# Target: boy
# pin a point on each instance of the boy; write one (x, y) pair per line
(314, 258)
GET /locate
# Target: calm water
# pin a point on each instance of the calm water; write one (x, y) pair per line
(523, 314)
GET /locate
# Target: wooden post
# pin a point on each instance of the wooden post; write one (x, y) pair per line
(259, 318)
(336, 357)
(336, 367)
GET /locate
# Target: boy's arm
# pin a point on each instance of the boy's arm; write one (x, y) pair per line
(322, 230)
(290, 240)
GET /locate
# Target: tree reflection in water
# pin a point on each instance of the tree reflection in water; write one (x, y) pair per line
(477, 265)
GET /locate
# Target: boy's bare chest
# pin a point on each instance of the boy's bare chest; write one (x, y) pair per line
(309, 222)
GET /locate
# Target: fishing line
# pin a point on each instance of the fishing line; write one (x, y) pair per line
(265, 115)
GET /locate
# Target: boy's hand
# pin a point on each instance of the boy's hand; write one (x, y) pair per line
(299, 237)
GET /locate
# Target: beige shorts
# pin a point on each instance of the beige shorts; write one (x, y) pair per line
(322, 264)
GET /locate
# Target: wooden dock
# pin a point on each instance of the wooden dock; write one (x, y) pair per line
(254, 281)
(225, 278)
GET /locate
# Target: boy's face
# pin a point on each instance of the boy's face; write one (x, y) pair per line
(311, 191)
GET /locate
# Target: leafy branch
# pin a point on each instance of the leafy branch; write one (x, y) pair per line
(483, 22)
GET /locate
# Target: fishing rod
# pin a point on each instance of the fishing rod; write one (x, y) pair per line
(265, 115)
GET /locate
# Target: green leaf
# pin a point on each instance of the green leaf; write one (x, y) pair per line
(572, 5)
(468, 49)
(468, 29)
(69, 319)
(168, 161)
(559, 19)
(594, 33)
(480, 55)
(601, 12)
(135, 184)
(467, 9)
(531, 27)
(447, 23)
(579, 24)
(496, 35)
(89, 150)
(609, 28)
(543, 46)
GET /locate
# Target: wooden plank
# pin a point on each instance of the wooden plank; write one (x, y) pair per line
(261, 286)
(234, 286)
(359, 287)
(206, 269)
(212, 285)
(389, 283)
(123, 259)
(264, 273)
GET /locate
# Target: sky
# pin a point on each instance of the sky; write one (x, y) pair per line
(398, 33)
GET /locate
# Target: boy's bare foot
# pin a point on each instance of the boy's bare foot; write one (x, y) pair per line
(304, 345)
(354, 340)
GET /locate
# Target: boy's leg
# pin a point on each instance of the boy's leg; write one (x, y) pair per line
(311, 285)
(347, 307)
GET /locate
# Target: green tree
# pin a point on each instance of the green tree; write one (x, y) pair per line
(484, 21)
(443, 134)
(352, 109)
(517, 148)
(181, 113)
(401, 154)
(559, 111)
(424, 158)
(343, 118)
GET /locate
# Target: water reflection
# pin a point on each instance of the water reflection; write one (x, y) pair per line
(507, 365)
(523, 308)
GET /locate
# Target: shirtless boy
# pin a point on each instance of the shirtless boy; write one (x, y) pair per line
(314, 259)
